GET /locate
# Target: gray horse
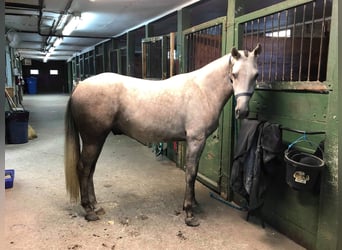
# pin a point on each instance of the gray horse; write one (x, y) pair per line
(192, 103)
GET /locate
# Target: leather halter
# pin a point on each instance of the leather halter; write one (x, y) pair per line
(243, 94)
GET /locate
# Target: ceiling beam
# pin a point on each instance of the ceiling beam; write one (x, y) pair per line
(21, 6)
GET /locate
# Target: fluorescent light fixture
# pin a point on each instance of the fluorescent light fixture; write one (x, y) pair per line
(71, 26)
(46, 57)
(51, 49)
(57, 42)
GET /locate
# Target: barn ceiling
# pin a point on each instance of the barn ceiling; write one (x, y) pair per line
(32, 26)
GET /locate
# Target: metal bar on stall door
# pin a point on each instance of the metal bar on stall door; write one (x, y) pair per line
(220, 42)
(217, 46)
(144, 60)
(271, 57)
(190, 52)
(276, 62)
(216, 41)
(264, 54)
(246, 34)
(193, 44)
(321, 42)
(172, 51)
(211, 46)
(193, 51)
(311, 37)
(213, 34)
(258, 31)
(211, 42)
(301, 45)
(293, 40)
(206, 43)
(252, 37)
(285, 40)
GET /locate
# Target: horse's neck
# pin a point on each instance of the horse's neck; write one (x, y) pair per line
(215, 83)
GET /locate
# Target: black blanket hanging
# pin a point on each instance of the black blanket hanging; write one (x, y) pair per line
(258, 145)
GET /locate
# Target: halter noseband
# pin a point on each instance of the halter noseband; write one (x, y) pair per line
(243, 94)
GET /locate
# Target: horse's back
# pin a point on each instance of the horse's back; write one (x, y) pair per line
(143, 109)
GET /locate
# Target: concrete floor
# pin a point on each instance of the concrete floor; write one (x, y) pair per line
(142, 197)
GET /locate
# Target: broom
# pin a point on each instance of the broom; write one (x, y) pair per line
(31, 133)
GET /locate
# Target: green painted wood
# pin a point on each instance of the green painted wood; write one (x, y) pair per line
(183, 22)
(310, 218)
(327, 232)
(296, 213)
(210, 172)
(228, 119)
(338, 78)
(292, 212)
(270, 10)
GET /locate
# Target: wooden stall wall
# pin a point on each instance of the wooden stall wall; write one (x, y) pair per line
(295, 90)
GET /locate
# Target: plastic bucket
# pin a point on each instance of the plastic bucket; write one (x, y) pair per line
(16, 126)
(31, 85)
(302, 169)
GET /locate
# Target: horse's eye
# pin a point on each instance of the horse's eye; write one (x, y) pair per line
(234, 75)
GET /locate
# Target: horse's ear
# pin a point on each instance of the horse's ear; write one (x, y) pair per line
(257, 50)
(235, 53)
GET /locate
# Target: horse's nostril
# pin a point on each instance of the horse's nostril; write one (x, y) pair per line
(237, 113)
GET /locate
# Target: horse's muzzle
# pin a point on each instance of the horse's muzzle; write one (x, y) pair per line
(241, 114)
(241, 109)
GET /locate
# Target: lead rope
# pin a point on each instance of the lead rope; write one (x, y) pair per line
(302, 138)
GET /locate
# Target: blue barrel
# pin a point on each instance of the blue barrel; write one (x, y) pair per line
(16, 123)
(31, 85)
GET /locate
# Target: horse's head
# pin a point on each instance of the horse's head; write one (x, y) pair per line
(243, 73)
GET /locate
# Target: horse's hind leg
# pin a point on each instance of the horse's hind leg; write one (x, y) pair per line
(194, 150)
(91, 193)
(86, 169)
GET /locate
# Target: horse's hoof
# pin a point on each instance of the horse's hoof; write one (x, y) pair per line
(91, 216)
(99, 211)
(192, 222)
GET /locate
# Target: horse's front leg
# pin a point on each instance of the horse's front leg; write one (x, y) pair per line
(194, 150)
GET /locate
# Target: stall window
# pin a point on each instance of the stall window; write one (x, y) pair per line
(34, 71)
(54, 72)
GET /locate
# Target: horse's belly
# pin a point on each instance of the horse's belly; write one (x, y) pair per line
(150, 131)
